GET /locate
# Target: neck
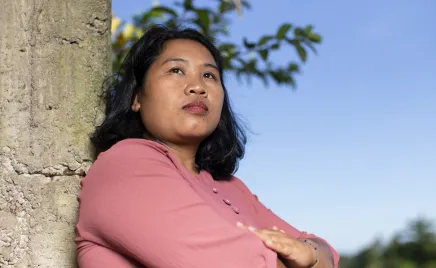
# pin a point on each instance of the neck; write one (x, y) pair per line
(185, 155)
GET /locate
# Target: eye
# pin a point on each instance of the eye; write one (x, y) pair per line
(209, 76)
(176, 70)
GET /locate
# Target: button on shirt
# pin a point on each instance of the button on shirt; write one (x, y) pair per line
(140, 208)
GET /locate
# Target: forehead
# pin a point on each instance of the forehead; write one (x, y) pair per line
(187, 49)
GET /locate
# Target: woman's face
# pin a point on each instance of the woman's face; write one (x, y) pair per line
(182, 97)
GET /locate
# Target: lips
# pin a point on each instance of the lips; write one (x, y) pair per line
(196, 107)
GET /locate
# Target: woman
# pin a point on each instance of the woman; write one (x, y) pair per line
(161, 193)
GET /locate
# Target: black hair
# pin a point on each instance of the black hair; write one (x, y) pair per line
(219, 153)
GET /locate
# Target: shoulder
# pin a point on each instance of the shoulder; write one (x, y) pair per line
(129, 150)
(238, 183)
(129, 157)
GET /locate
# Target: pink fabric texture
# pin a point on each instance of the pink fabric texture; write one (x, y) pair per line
(140, 208)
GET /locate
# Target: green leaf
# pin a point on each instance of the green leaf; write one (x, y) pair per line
(283, 30)
(293, 67)
(228, 50)
(172, 23)
(251, 65)
(264, 54)
(299, 32)
(227, 63)
(275, 46)
(155, 14)
(308, 29)
(203, 19)
(225, 6)
(316, 38)
(264, 39)
(248, 44)
(275, 76)
(227, 47)
(292, 42)
(187, 4)
(166, 10)
(301, 52)
(147, 17)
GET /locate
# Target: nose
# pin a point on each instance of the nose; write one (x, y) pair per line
(196, 89)
(195, 85)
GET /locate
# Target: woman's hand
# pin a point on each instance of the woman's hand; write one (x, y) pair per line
(297, 254)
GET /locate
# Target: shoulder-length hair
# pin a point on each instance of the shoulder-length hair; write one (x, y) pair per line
(218, 154)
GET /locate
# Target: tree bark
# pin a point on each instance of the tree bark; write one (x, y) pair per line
(54, 55)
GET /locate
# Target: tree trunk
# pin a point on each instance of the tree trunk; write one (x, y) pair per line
(53, 57)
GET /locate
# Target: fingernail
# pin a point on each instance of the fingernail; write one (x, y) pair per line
(269, 242)
(251, 228)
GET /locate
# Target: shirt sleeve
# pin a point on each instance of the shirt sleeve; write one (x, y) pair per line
(268, 219)
(135, 203)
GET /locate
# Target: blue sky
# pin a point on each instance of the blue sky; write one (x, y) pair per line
(351, 154)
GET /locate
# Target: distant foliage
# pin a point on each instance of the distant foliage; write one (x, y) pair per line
(414, 247)
(246, 59)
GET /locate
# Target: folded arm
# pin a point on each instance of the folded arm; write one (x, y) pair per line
(328, 257)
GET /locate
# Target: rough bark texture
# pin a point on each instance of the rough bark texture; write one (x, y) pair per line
(53, 57)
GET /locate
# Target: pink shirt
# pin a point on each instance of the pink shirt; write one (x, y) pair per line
(140, 208)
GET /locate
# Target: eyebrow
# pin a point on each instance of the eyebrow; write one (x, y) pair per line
(186, 61)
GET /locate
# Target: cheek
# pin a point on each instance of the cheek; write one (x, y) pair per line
(164, 96)
(219, 107)
(220, 102)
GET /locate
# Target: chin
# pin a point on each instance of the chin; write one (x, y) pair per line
(195, 135)
(196, 129)
(198, 125)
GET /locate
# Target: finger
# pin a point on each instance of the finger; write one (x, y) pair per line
(267, 238)
(281, 248)
(241, 225)
(265, 234)
(251, 228)
(275, 237)
(272, 235)
(246, 227)
(284, 245)
(273, 232)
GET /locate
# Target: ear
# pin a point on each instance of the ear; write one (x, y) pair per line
(136, 104)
